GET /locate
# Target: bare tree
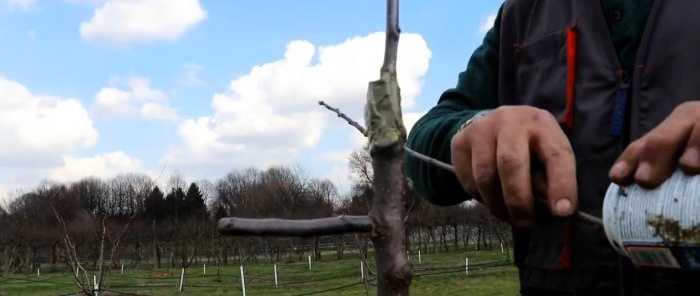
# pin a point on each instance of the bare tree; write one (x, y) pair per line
(360, 164)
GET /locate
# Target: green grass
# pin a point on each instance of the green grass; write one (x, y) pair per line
(438, 274)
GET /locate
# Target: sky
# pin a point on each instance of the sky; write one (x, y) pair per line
(204, 87)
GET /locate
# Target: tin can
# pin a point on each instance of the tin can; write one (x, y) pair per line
(658, 228)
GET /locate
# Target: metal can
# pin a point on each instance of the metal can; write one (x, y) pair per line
(657, 228)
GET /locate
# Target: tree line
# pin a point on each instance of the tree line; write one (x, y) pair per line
(129, 220)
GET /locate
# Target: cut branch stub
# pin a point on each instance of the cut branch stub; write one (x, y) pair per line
(298, 228)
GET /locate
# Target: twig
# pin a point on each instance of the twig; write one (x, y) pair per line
(343, 116)
(287, 227)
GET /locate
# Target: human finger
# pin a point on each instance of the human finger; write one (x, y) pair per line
(485, 172)
(690, 160)
(513, 163)
(661, 148)
(461, 158)
(555, 153)
(622, 172)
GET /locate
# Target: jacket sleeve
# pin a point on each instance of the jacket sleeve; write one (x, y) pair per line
(476, 90)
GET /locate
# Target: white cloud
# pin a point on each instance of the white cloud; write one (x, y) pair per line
(20, 4)
(158, 112)
(123, 22)
(191, 74)
(140, 100)
(488, 23)
(102, 166)
(269, 115)
(36, 130)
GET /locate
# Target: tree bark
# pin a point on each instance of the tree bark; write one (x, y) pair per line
(394, 274)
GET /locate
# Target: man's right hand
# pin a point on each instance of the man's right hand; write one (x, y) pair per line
(492, 160)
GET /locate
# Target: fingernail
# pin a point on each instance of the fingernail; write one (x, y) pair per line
(691, 156)
(643, 171)
(619, 169)
(563, 207)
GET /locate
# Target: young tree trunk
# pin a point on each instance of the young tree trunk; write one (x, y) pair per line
(317, 248)
(340, 247)
(156, 248)
(465, 237)
(387, 136)
(443, 238)
(55, 254)
(431, 232)
(456, 239)
(478, 238)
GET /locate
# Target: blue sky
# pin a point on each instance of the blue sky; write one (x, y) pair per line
(103, 87)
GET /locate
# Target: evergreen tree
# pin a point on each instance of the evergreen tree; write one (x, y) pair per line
(194, 202)
(154, 206)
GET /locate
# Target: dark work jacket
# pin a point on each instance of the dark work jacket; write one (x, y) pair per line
(609, 107)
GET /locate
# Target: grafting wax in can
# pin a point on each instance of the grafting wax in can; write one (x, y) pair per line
(658, 228)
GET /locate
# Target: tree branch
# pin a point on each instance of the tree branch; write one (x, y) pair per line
(343, 116)
(286, 227)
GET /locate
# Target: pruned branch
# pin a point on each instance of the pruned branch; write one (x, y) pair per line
(287, 227)
(343, 116)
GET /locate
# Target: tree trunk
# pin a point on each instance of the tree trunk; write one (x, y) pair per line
(465, 237)
(340, 247)
(456, 239)
(478, 238)
(156, 248)
(317, 248)
(431, 233)
(443, 238)
(394, 273)
(387, 136)
(55, 253)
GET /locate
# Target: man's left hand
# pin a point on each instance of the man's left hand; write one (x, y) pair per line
(651, 159)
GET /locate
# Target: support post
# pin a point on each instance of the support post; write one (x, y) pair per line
(275, 268)
(182, 278)
(466, 265)
(242, 281)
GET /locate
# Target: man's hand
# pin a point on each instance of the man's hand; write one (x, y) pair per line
(491, 157)
(651, 159)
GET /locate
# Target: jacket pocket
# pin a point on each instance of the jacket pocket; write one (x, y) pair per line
(541, 73)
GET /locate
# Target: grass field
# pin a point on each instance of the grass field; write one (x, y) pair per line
(438, 274)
